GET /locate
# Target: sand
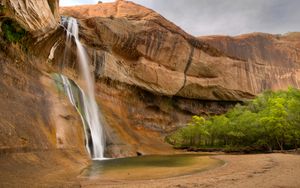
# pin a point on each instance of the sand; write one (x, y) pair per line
(260, 171)
(245, 171)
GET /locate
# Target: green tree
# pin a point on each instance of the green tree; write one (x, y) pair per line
(270, 121)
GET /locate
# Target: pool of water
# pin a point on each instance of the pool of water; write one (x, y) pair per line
(149, 167)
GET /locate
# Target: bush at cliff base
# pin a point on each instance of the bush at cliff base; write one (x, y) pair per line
(270, 121)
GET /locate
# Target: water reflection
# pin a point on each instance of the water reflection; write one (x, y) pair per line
(149, 167)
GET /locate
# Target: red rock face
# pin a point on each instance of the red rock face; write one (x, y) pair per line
(158, 56)
(40, 133)
(141, 52)
(121, 9)
(261, 48)
(274, 58)
(151, 77)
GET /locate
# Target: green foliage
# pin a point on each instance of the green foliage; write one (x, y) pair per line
(12, 31)
(1, 9)
(271, 121)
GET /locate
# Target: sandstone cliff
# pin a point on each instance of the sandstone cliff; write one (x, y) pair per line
(37, 123)
(159, 75)
(156, 55)
(33, 115)
(151, 76)
(272, 60)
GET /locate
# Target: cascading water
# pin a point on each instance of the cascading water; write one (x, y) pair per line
(76, 97)
(89, 111)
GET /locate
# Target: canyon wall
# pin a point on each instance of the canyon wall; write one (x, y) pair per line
(37, 123)
(273, 60)
(151, 76)
(34, 116)
(157, 56)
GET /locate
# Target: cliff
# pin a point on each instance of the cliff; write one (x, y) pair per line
(272, 60)
(151, 77)
(162, 75)
(158, 56)
(37, 123)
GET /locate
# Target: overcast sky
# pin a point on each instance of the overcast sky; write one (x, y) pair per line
(225, 17)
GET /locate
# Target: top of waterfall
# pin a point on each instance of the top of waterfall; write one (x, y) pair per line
(73, 27)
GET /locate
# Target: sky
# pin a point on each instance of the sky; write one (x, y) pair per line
(223, 17)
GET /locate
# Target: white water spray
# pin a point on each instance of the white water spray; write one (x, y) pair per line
(90, 108)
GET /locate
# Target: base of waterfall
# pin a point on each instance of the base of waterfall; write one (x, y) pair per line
(101, 159)
(149, 167)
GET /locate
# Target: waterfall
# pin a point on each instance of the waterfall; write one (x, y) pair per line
(77, 99)
(90, 112)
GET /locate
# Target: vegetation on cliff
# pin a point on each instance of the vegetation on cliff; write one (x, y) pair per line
(12, 31)
(270, 121)
(1, 9)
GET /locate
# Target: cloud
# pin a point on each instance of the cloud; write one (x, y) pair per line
(226, 17)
